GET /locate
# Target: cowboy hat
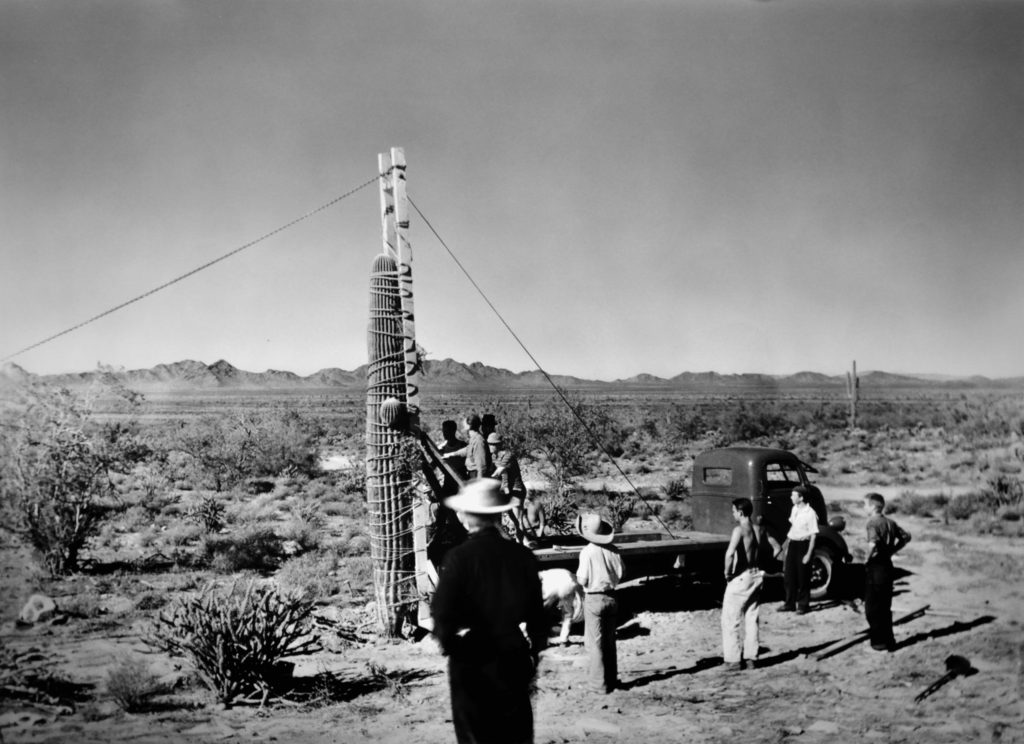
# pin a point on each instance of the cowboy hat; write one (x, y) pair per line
(594, 529)
(480, 496)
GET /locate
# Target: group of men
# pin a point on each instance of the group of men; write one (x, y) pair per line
(744, 574)
(488, 610)
(485, 455)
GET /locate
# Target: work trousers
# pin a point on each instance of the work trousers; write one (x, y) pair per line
(599, 614)
(742, 605)
(491, 701)
(797, 578)
(878, 605)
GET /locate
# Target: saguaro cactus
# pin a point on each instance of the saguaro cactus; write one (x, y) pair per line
(387, 486)
(852, 387)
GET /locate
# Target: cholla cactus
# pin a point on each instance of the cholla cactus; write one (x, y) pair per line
(236, 639)
(209, 514)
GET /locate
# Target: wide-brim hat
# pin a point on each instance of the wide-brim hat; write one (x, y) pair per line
(594, 529)
(494, 438)
(480, 496)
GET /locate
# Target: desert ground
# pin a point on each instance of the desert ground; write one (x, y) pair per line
(968, 572)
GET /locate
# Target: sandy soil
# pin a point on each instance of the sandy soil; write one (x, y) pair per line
(675, 688)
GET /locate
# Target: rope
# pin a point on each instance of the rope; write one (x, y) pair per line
(593, 437)
(321, 208)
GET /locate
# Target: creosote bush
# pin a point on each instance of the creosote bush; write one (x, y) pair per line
(314, 575)
(130, 683)
(254, 546)
(236, 639)
(57, 465)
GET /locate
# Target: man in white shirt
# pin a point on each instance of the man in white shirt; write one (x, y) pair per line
(803, 531)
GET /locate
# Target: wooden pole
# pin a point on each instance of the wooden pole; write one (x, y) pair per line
(421, 499)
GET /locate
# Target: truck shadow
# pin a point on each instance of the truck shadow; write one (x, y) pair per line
(672, 593)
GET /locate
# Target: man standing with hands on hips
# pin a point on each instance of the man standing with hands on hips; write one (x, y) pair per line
(803, 531)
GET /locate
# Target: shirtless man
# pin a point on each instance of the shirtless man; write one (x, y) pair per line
(742, 600)
(533, 519)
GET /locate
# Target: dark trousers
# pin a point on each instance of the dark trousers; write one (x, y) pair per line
(797, 577)
(491, 700)
(878, 605)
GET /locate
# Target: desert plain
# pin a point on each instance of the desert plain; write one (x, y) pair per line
(948, 461)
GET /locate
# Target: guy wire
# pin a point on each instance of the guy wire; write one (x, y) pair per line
(586, 427)
(194, 271)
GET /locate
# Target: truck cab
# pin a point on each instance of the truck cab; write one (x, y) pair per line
(767, 477)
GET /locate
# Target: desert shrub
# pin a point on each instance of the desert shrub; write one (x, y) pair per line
(208, 514)
(182, 534)
(235, 639)
(961, 506)
(354, 543)
(256, 511)
(356, 572)
(334, 509)
(676, 489)
(130, 683)
(675, 514)
(1003, 490)
(560, 509)
(313, 575)
(56, 463)
(620, 507)
(307, 534)
(150, 601)
(352, 481)
(226, 451)
(251, 547)
(81, 605)
(133, 519)
(915, 504)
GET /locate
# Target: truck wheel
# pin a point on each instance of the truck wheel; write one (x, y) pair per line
(821, 572)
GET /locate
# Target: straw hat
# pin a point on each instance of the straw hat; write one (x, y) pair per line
(494, 438)
(594, 529)
(480, 496)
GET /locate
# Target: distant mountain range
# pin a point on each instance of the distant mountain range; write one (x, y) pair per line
(449, 374)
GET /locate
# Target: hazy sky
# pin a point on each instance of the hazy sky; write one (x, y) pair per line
(638, 186)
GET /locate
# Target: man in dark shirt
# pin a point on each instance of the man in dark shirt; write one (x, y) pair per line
(449, 445)
(487, 588)
(477, 456)
(885, 538)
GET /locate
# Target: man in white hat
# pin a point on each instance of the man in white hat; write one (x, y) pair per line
(487, 586)
(601, 569)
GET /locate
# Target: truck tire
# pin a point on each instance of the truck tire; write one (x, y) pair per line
(822, 572)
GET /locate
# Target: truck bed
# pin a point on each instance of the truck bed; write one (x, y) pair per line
(562, 551)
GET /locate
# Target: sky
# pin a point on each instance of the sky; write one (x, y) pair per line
(638, 186)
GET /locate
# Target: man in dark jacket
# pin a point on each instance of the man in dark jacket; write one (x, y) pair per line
(487, 588)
